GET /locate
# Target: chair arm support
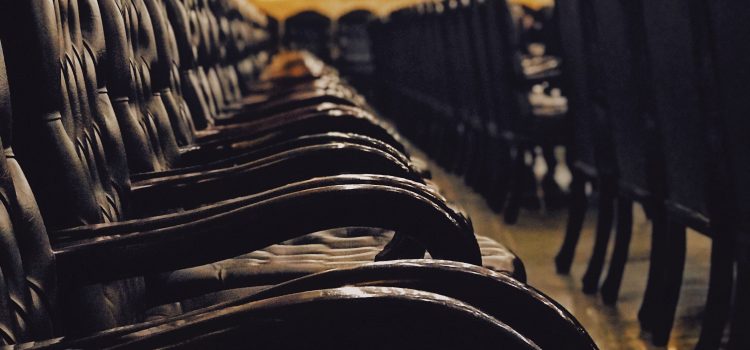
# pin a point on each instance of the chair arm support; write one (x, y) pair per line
(157, 222)
(282, 105)
(203, 158)
(266, 319)
(193, 189)
(319, 119)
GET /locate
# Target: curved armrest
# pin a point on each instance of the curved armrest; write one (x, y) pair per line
(161, 221)
(258, 102)
(415, 316)
(497, 294)
(266, 222)
(320, 119)
(208, 160)
(281, 105)
(268, 95)
(193, 189)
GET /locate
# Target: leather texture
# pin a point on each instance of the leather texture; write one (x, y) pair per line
(91, 93)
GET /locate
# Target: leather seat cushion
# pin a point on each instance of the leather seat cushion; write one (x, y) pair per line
(316, 252)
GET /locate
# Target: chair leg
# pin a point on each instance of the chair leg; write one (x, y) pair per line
(674, 267)
(603, 231)
(654, 284)
(718, 301)
(576, 215)
(513, 208)
(740, 332)
(611, 286)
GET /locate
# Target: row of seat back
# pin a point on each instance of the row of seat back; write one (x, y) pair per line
(60, 135)
(463, 81)
(90, 83)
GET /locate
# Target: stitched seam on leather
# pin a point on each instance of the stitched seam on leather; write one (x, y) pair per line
(49, 117)
(33, 285)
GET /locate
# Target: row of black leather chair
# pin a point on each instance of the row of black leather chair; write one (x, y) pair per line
(657, 99)
(450, 74)
(149, 143)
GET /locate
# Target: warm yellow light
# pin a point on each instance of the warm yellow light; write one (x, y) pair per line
(282, 9)
(534, 4)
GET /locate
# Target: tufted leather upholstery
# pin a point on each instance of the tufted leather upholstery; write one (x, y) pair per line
(73, 96)
(321, 251)
(71, 150)
(32, 305)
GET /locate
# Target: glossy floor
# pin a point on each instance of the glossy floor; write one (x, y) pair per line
(538, 235)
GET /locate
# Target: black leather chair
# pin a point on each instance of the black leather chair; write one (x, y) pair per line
(72, 179)
(40, 277)
(440, 89)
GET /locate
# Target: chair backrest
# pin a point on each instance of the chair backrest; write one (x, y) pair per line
(58, 140)
(441, 75)
(308, 30)
(166, 75)
(456, 30)
(186, 31)
(730, 30)
(504, 64)
(209, 75)
(480, 59)
(624, 93)
(145, 98)
(678, 107)
(591, 147)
